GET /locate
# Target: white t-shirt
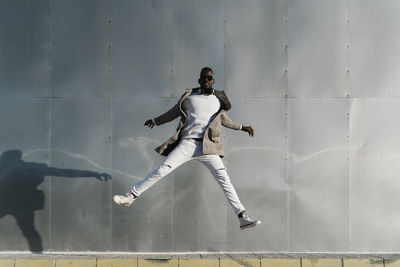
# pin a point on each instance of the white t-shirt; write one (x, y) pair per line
(200, 111)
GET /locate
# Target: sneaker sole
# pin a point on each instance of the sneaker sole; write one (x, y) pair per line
(118, 203)
(250, 225)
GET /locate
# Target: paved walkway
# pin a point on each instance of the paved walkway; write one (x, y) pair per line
(85, 259)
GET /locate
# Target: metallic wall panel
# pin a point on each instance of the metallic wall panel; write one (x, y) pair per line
(317, 62)
(375, 174)
(24, 185)
(198, 41)
(141, 48)
(318, 174)
(80, 203)
(146, 225)
(79, 39)
(255, 50)
(375, 48)
(23, 48)
(257, 168)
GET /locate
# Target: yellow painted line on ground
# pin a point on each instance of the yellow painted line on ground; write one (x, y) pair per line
(321, 262)
(116, 262)
(6, 262)
(280, 262)
(363, 262)
(240, 263)
(157, 263)
(35, 263)
(198, 262)
(76, 262)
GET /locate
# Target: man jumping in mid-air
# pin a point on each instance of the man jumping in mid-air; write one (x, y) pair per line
(202, 111)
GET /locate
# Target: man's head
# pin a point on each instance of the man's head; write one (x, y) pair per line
(206, 78)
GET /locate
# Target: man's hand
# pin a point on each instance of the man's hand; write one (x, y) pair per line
(149, 123)
(248, 129)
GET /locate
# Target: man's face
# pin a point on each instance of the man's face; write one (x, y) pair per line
(207, 79)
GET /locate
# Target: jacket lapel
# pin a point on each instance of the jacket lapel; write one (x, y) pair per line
(224, 99)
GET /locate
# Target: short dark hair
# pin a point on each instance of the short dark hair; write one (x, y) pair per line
(206, 69)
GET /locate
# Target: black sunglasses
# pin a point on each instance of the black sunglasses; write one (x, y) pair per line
(208, 78)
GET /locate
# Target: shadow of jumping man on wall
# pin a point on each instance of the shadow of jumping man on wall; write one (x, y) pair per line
(19, 195)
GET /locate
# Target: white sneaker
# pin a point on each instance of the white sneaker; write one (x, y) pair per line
(124, 200)
(246, 222)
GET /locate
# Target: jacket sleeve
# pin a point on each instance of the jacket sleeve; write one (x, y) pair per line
(227, 122)
(168, 116)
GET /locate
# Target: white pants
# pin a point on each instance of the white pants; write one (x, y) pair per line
(186, 150)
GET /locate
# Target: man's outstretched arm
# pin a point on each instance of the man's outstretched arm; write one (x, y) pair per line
(229, 123)
(168, 116)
